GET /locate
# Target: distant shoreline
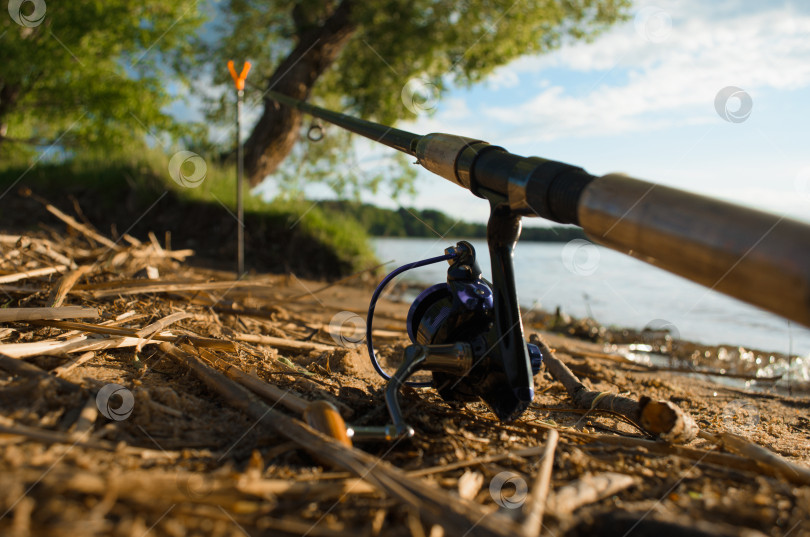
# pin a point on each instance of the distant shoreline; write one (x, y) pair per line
(408, 222)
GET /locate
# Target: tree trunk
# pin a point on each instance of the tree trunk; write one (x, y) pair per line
(276, 132)
(8, 97)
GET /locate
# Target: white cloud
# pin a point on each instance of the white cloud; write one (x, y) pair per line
(675, 82)
(593, 103)
(503, 78)
(667, 84)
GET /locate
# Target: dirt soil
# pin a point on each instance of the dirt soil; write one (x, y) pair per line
(185, 462)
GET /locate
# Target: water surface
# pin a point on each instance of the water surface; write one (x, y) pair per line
(615, 289)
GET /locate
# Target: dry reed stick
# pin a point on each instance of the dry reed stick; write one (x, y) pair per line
(535, 507)
(9, 278)
(81, 228)
(19, 367)
(284, 343)
(761, 455)
(661, 418)
(49, 313)
(434, 504)
(62, 370)
(210, 343)
(586, 490)
(66, 283)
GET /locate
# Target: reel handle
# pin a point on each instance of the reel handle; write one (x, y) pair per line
(324, 417)
(455, 358)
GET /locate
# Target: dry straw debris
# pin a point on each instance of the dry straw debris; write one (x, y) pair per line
(143, 396)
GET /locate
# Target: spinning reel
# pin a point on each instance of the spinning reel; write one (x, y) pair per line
(467, 332)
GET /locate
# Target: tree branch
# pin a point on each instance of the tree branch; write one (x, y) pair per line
(276, 132)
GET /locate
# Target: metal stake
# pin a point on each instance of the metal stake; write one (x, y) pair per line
(239, 82)
(240, 213)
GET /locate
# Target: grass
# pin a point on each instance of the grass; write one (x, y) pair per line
(144, 174)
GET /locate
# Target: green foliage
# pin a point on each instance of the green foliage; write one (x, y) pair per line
(437, 42)
(329, 161)
(409, 222)
(440, 41)
(129, 180)
(444, 42)
(92, 74)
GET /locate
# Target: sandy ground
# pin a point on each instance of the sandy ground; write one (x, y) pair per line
(184, 462)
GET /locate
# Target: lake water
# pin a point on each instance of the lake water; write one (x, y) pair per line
(615, 289)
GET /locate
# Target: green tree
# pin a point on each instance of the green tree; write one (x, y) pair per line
(87, 73)
(380, 59)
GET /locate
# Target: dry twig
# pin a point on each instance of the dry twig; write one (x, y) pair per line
(660, 418)
(436, 505)
(536, 505)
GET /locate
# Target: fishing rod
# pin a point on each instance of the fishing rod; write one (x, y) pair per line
(469, 333)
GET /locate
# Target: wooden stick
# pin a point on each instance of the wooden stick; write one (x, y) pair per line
(62, 370)
(179, 255)
(210, 343)
(56, 256)
(763, 456)
(435, 504)
(18, 367)
(586, 490)
(159, 325)
(40, 246)
(534, 508)
(83, 343)
(520, 453)
(148, 286)
(8, 278)
(402, 334)
(51, 437)
(9, 239)
(286, 398)
(134, 241)
(667, 420)
(661, 418)
(283, 343)
(155, 244)
(190, 486)
(47, 346)
(50, 313)
(87, 418)
(81, 228)
(66, 283)
(262, 388)
(723, 460)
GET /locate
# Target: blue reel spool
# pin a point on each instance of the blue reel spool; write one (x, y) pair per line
(459, 310)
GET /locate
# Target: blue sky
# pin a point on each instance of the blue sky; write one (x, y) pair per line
(640, 99)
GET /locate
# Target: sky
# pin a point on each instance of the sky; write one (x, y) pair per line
(647, 98)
